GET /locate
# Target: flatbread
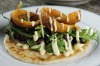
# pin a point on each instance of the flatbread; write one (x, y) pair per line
(31, 56)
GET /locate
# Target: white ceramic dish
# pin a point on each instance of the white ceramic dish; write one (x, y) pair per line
(88, 19)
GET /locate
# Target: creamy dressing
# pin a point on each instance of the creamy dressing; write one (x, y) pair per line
(78, 46)
(42, 31)
(79, 16)
(21, 20)
(55, 25)
(69, 42)
(66, 44)
(42, 50)
(68, 47)
(35, 36)
(33, 23)
(28, 15)
(71, 38)
(59, 18)
(55, 47)
(19, 44)
(50, 53)
(67, 53)
(25, 46)
(77, 36)
(68, 28)
(51, 23)
(41, 25)
(67, 18)
(62, 26)
(50, 10)
(60, 14)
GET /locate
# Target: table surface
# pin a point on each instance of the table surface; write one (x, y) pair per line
(7, 5)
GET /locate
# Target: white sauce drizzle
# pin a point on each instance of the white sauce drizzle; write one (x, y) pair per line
(59, 18)
(78, 46)
(55, 25)
(51, 23)
(71, 38)
(77, 36)
(42, 50)
(67, 18)
(79, 16)
(50, 10)
(69, 50)
(69, 41)
(60, 14)
(67, 53)
(50, 53)
(55, 46)
(66, 44)
(35, 36)
(21, 20)
(25, 46)
(28, 15)
(41, 25)
(19, 44)
(68, 28)
(33, 23)
(62, 26)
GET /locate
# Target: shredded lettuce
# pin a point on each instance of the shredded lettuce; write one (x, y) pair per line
(20, 31)
(31, 42)
(84, 34)
(49, 48)
(48, 37)
(60, 43)
(12, 34)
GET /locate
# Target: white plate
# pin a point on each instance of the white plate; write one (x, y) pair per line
(88, 18)
(67, 2)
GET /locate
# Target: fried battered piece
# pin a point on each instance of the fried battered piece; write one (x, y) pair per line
(69, 19)
(60, 22)
(19, 18)
(59, 26)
